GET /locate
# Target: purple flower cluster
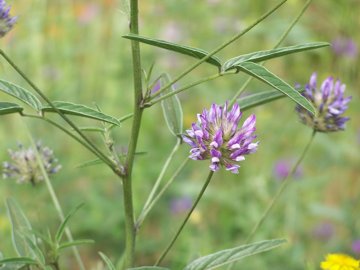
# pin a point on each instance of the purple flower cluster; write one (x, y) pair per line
(217, 136)
(343, 46)
(6, 21)
(25, 167)
(330, 103)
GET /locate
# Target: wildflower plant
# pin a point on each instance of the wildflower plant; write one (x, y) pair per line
(6, 21)
(218, 136)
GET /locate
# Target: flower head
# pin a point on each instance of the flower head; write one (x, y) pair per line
(282, 169)
(340, 262)
(25, 167)
(217, 136)
(6, 21)
(343, 46)
(329, 102)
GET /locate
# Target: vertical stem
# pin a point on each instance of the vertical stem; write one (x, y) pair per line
(186, 219)
(281, 189)
(130, 230)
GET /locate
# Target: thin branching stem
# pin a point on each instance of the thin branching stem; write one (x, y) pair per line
(160, 177)
(56, 202)
(166, 251)
(188, 86)
(219, 48)
(278, 43)
(96, 151)
(282, 188)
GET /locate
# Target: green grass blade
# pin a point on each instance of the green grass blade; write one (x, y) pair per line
(186, 50)
(75, 243)
(109, 264)
(261, 73)
(80, 110)
(7, 108)
(21, 94)
(227, 256)
(269, 54)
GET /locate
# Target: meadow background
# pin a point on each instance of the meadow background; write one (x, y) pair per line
(74, 51)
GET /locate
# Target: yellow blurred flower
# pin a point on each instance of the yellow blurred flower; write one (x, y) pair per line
(338, 261)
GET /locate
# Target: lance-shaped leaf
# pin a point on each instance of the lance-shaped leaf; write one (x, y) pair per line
(20, 228)
(261, 73)
(227, 256)
(62, 227)
(258, 99)
(190, 51)
(80, 110)
(98, 161)
(268, 54)
(75, 243)
(172, 110)
(7, 108)
(17, 261)
(20, 93)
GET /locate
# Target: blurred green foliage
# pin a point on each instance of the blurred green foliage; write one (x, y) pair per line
(73, 50)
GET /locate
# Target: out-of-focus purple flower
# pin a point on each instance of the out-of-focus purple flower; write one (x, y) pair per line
(25, 166)
(282, 168)
(343, 46)
(330, 103)
(180, 205)
(6, 21)
(217, 136)
(172, 32)
(324, 231)
(355, 246)
(156, 87)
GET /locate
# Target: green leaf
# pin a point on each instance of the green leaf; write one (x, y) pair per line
(269, 54)
(35, 249)
(62, 226)
(76, 243)
(258, 99)
(7, 108)
(261, 73)
(20, 227)
(227, 256)
(21, 94)
(107, 261)
(171, 106)
(18, 260)
(190, 51)
(148, 268)
(80, 110)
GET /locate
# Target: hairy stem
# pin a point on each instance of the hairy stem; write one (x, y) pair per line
(281, 39)
(130, 230)
(283, 186)
(166, 251)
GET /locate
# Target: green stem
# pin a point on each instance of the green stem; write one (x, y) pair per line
(212, 77)
(56, 203)
(219, 48)
(130, 230)
(165, 252)
(281, 39)
(61, 128)
(151, 204)
(67, 120)
(283, 186)
(159, 179)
